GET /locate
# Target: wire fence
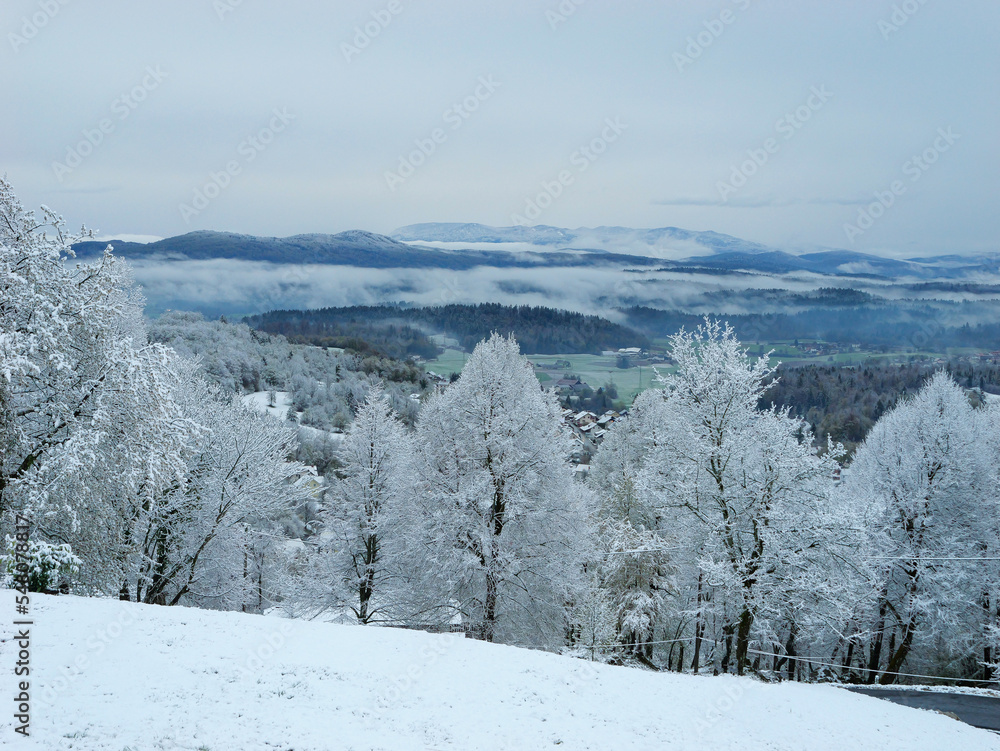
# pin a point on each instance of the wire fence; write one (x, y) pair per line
(813, 661)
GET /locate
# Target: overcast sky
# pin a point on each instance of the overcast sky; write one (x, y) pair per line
(534, 84)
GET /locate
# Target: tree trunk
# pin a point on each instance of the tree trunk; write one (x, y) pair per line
(727, 631)
(898, 657)
(246, 575)
(490, 609)
(156, 594)
(790, 651)
(849, 656)
(988, 658)
(497, 518)
(876, 654)
(260, 584)
(743, 640)
(699, 629)
(367, 585)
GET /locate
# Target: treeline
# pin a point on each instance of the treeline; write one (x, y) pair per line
(839, 297)
(922, 327)
(845, 403)
(358, 333)
(539, 330)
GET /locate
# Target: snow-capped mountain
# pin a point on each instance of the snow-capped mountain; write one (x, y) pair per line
(664, 242)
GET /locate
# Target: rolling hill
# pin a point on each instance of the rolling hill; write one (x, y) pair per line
(353, 248)
(669, 248)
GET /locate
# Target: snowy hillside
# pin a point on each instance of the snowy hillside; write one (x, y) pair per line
(111, 675)
(261, 401)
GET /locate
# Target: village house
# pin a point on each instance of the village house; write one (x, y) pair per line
(571, 384)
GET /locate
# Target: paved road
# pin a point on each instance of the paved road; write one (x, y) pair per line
(980, 711)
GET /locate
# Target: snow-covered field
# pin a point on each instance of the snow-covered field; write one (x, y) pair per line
(115, 676)
(260, 400)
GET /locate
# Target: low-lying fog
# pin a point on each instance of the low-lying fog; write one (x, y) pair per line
(249, 287)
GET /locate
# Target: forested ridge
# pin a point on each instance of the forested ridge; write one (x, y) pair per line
(539, 330)
(375, 336)
(844, 403)
(918, 326)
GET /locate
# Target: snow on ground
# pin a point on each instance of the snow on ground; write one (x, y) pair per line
(111, 675)
(261, 401)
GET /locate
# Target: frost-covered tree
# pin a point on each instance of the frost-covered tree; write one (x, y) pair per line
(65, 333)
(595, 632)
(241, 483)
(194, 535)
(500, 524)
(926, 475)
(988, 571)
(745, 488)
(49, 567)
(91, 427)
(742, 492)
(365, 506)
(637, 577)
(102, 489)
(115, 446)
(634, 567)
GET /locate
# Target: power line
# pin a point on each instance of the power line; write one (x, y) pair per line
(866, 557)
(923, 558)
(650, 550)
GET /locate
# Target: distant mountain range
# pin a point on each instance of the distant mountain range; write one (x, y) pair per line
(353, 248)
(637, 241)
(663, 249)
